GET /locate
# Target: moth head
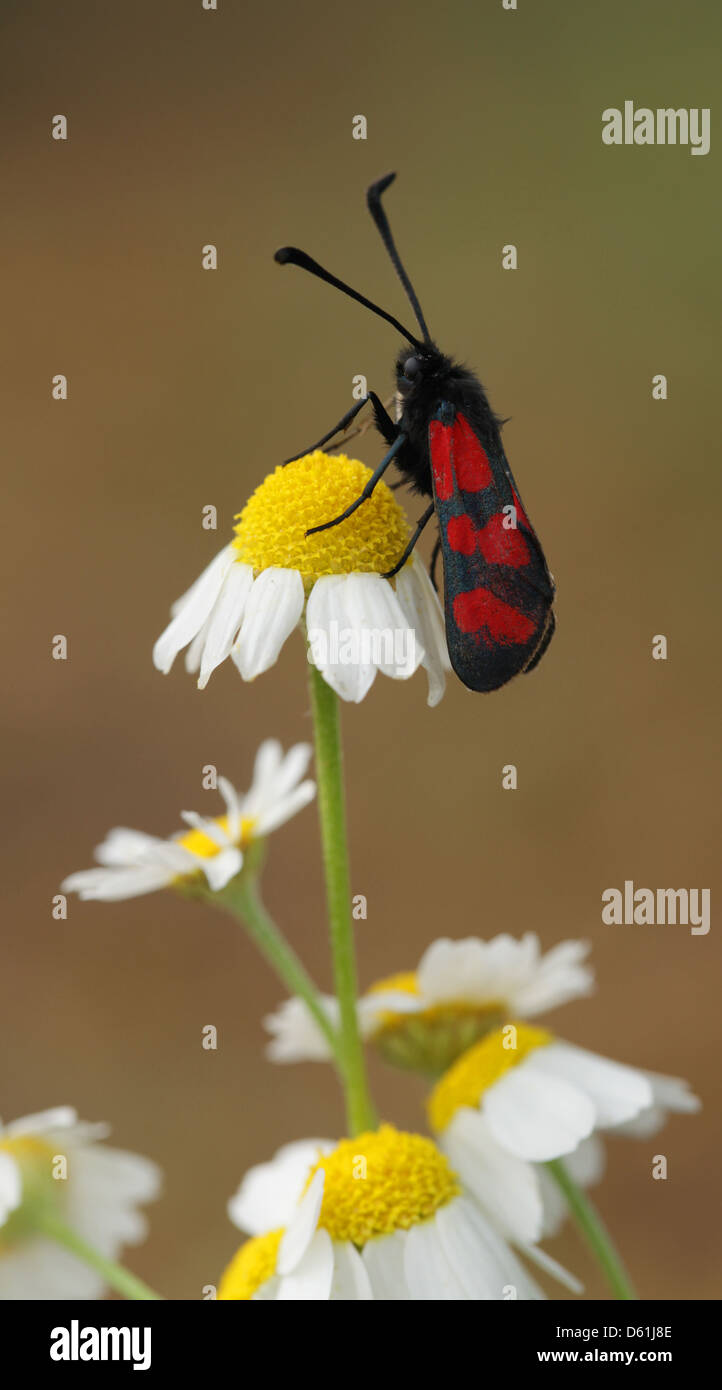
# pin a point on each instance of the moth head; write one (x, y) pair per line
(409, 370)
(414, 366)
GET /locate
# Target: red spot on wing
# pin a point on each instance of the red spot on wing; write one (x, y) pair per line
(462, 534)
(498, 544)
(471, 464)
(503, 545)
(480, 611)
(458, 458)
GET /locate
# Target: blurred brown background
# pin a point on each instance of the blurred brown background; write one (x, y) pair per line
(186, 387)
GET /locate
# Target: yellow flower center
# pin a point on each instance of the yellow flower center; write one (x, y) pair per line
(430, 1039)
(25, 1148)
(311, 490)
(479, 1068)
(250, 1267)
(382, 1181)
(405, 983)
(198, 842)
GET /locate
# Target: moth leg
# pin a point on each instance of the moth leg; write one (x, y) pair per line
(422, 523)
(434, 562)
(387, 428)
(388, 431)
(371, 484)
(383, 421)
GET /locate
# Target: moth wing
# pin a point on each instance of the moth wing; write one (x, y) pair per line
(498, 591)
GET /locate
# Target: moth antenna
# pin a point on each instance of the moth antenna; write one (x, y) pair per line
(290, 255)
(373, 199)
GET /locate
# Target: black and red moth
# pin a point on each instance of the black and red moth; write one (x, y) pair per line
(446, 442)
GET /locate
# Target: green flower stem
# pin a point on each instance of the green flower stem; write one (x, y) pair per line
(332, 815)
(593, 1230)
(114, 1274)
(242, 899)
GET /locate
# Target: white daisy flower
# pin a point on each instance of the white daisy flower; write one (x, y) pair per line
(273, 578)
(381, 1216)
(423, 1019)
(97, 1199)
(519, 1098)
(134, 863)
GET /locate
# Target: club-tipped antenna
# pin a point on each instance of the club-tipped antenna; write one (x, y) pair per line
(290, 255)
(373, 199)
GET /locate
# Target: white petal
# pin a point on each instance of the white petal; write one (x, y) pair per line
(505, 1187)
(175, 858)
(479, 1274)
(475, 1265)
(475, 971)
(617, 1092)
(421, 606)
(300, 1230)
(669, 1094)
(312, 1278)
(536, 1116)
(117, 1180)
(275, 777)
(429, 1276)
(350, 1281)
(194, 652)
(292, 768)
(672, 1093)
(587, 1163)
(11, 1186)
(296, 1035)
(553, 1267)
(286, 807)
(115, 885)
(329, 625)
(229, 551)
(60, 1117)
(559, 976)
(123, 848)
(457, 972)
(269, 1194)
(265, 768)
(481, 1258)
(233, 807)
(219, 869)
(384, 1260)
(273, 610)
(376, 615)
(225, 620)
(195, 608)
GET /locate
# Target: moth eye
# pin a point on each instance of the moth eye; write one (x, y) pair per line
(412, 367)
